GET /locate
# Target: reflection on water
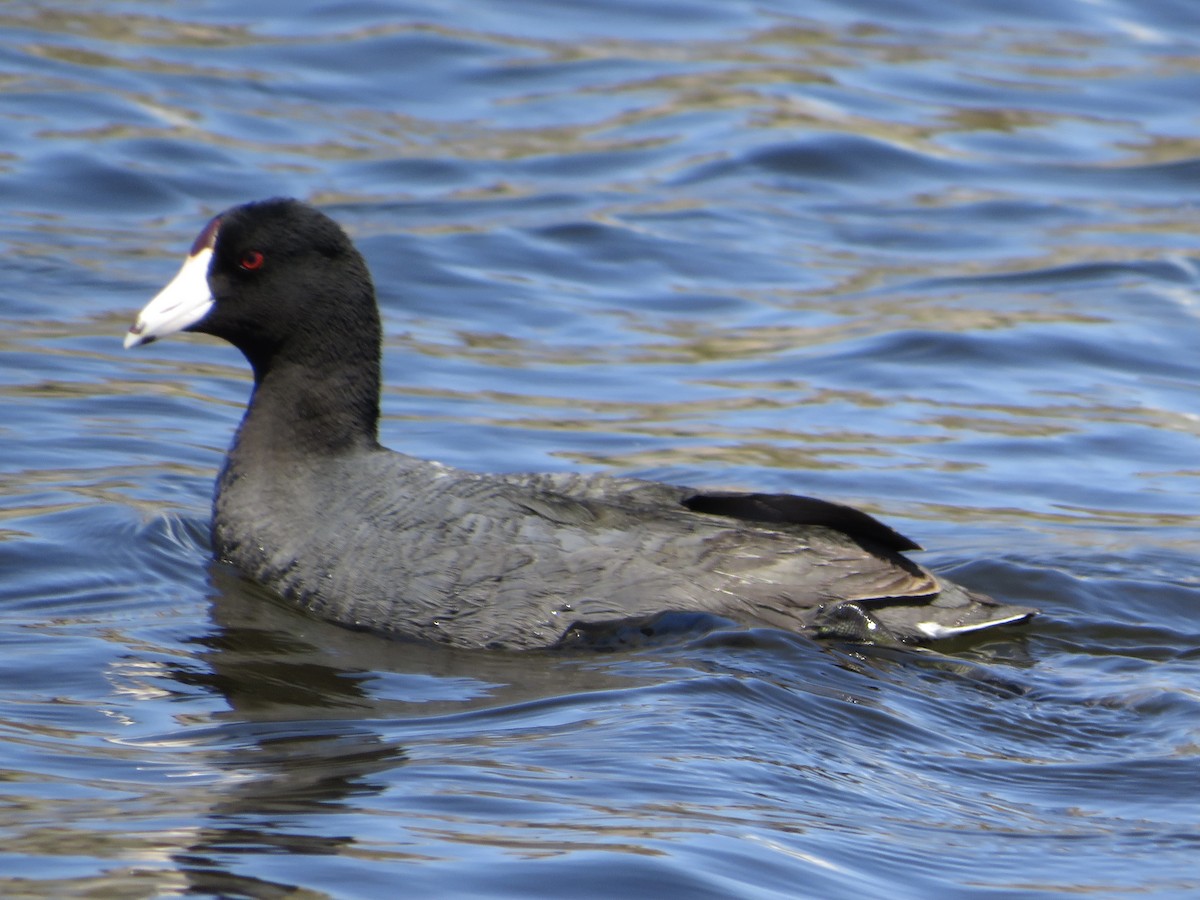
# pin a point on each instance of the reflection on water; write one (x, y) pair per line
(933, 261)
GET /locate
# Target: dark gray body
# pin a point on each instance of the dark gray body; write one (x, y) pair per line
(398, 545)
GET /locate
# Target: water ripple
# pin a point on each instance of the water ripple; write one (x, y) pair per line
(937, 261)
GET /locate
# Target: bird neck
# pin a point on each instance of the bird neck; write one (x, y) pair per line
(299, 409)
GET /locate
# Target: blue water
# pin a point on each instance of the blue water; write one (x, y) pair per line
(935, 260)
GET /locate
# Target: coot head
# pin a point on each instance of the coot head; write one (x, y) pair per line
(277, 279)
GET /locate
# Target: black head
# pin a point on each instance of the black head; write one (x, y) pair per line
(281, 280)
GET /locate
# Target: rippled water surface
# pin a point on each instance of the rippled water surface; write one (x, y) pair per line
(936, 260)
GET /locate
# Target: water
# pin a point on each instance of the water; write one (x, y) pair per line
(936, 261)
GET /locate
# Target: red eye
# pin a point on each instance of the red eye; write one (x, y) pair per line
(251, 260)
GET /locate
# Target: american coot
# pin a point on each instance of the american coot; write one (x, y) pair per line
(310, 505)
